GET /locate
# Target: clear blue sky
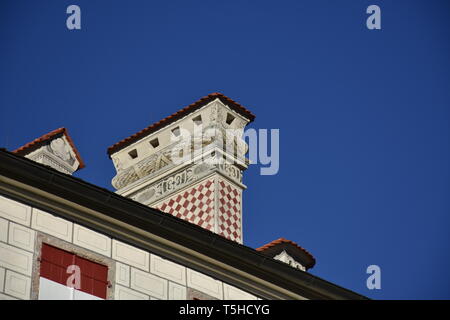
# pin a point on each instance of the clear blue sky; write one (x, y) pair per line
(363, 115)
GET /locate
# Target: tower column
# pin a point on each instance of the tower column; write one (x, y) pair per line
(191, 166)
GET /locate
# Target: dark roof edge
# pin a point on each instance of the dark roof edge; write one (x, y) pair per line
(154, 221)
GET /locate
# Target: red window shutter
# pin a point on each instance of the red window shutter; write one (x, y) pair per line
(93, 277)
(54, 263)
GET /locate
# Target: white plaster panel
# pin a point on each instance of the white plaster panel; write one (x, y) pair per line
(52, 225)
(15, 211)
(204, 283)
(233, 293)
(167, 269)
(2, 279)
(130, 255)
(149, 284)
(122, 274)
(3, 230)
(91, 240)
(21, 237)
(80, 295)
(176, 292)
(15, 259)
(51, 290)
(5, 297)
(17, 285)
(122, 293)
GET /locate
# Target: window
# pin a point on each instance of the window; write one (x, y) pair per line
(176, 131)
(197, 120)
(154, 143)
(133, 154)
(58, 267)
(230, 118)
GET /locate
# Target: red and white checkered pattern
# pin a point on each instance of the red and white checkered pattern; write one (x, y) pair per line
(229, 211)
(195, 205)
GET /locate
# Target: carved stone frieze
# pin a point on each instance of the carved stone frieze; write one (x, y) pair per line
(49, 159)
(154, 164)
(60, 149)
(171, 183)
(143, 168)
(180, 179)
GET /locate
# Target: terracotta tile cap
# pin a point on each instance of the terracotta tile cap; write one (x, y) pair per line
(36, 143)
(283, 240)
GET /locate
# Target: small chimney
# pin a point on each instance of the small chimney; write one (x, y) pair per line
(289, 252)
(189, 165)
(54, 149)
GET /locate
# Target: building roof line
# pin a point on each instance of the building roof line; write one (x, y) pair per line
(153, 221)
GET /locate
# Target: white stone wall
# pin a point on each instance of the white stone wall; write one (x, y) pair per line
(140, 275)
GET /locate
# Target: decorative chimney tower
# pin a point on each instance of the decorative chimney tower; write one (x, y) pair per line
(189, 164)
